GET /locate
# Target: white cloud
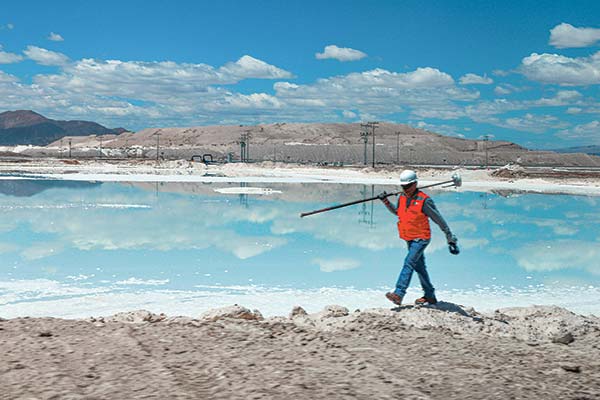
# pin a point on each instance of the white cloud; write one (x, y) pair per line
(500, 72)
(336, 264)
(449, 130)
(487, 111)
(451, 112)
(534, 123)
(55, 37)
(250, 67)
(472, 79)
(561, 70)
(9, 58)
(377, 93)
(502, 90)
(589, 132)
(561, 98)
(507, 88)
(340, 53)
(45, 57)
(565, 35)
(240, 102)
(156, 81)
(349, 114)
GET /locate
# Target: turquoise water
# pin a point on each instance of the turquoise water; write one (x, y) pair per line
(76, 249)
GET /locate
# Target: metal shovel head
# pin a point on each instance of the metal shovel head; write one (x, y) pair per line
(456, 179)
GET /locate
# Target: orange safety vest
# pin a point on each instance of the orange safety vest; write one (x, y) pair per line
(412, 222)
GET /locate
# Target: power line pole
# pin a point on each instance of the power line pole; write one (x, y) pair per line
(69, 148)
(248, 136)
(397, 147)
(365, 138)
(372, 125)
(486, 138)
(157, 145)
(244, 145)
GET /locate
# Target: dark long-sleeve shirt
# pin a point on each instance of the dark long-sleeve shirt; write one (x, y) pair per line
(429, 209)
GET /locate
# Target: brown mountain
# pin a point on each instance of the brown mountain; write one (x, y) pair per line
(28, 127)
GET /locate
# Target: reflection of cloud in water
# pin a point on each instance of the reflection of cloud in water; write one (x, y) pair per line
(559, 254)
(143, 282)
(42, 250)
(8, 248)
(174, 223)
(181, 222)
(336, 264)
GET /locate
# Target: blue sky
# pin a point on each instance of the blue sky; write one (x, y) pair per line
(524, 71)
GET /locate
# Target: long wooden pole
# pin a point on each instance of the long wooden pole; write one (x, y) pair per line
(455, 180)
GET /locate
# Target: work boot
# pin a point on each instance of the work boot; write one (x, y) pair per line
(421, 301)
(394, 298)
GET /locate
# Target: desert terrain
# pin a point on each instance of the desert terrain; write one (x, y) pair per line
(445, 351)
(315, 143)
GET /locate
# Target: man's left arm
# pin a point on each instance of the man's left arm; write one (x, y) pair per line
(432, 212)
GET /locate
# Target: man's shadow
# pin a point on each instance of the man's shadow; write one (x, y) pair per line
(443, 306)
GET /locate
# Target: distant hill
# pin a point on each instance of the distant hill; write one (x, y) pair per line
(28, 127)
(592, 149)
(326, 143)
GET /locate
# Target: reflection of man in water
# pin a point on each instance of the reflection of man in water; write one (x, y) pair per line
(414, 210)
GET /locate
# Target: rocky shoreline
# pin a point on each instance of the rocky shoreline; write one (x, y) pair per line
(444, 351)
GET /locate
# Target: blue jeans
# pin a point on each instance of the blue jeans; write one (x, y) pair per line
(415, 261)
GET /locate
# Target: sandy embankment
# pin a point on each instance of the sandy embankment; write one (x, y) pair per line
(442, 352)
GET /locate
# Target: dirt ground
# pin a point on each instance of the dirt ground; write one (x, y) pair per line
(445, 352)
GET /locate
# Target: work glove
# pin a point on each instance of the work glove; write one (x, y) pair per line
(452, 244)
(383, 196)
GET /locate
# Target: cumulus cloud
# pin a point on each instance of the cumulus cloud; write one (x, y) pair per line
(9, 58)
(349, 114)
(340, 53)
(473, 79)
(374, 82)
(378, 92)
(240, 102)
(156, 81)
(450, 112)
(45, 57)
(250, 67)
(55, 37)
(449, 130)
(562, 70)
(534, 123)
(565, 35)
(561, 98)
(587, 132)
(336, 264)
(502, 90)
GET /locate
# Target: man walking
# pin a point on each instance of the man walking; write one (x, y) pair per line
(413, 211)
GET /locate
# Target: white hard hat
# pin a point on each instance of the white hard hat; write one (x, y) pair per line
(407, 177)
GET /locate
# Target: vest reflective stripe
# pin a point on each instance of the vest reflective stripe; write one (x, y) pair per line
(412, 222)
